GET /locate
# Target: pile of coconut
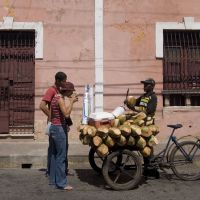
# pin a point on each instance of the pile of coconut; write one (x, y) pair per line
(129, 129)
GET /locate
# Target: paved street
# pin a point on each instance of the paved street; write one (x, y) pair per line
(31, 184)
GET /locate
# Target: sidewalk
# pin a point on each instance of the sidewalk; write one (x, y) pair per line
(32, 154)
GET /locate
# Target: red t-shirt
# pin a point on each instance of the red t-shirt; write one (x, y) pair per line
(50, 93)
(57, 118)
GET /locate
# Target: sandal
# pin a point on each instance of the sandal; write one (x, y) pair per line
(70, 174)
(68, 188)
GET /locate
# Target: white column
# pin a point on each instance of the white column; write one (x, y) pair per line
(98, 55)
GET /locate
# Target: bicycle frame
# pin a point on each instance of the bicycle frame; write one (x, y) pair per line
(198, 144)
(159, 158)
(162, 154)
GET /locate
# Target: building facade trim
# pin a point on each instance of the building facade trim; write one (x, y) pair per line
(9, 24)
(187, 24)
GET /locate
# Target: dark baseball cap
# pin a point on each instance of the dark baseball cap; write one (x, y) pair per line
(149, 81)
(67, 86)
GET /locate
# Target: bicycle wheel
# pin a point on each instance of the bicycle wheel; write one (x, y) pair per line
(186, 167)
(95, 161)
(122, 175)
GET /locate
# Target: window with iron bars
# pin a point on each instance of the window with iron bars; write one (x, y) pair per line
(181, 68)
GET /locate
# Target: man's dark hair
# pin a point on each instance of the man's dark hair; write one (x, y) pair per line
(60, 76)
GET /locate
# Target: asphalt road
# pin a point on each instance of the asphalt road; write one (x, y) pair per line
(31, 184)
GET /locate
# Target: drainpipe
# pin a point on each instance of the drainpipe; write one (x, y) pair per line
(98, 55)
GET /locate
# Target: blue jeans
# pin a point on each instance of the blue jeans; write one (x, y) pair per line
(49, 156)
(50, 151)
(58, 156)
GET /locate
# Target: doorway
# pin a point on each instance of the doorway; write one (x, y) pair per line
(17, 82)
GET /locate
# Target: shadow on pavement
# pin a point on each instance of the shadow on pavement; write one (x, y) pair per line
(91, 177)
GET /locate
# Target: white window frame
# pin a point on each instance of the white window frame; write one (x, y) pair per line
(187, 24)
(8, 24)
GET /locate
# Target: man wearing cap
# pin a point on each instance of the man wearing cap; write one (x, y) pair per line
(147, 103)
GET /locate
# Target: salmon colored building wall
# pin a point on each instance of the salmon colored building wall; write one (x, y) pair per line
(129, 49)
(130, 55)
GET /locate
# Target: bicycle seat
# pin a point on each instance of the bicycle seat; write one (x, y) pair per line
(175, 126)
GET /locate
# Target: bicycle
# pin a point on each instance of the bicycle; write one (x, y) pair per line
(183, 159)
(122, 168)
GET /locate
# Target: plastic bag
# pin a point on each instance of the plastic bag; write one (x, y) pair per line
(47, 129)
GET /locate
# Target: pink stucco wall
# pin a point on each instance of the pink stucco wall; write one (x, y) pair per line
(130, 55)
(68, 47)
(129, 50)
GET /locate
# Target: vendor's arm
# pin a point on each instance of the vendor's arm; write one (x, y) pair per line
(135, 107)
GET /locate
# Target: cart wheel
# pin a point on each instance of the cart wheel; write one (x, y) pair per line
(95, 161)
(122, 175)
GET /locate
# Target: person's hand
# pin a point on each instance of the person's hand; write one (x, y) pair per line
(74, 98)
(125, 102)
(129, 106)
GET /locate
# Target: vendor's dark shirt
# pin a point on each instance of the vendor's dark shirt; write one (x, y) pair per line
(151, 105)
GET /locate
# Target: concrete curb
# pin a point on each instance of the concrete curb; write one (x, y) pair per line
(36, 162)
(34, 154)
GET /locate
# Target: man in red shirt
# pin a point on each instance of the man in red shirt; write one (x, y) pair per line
(60, 80)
